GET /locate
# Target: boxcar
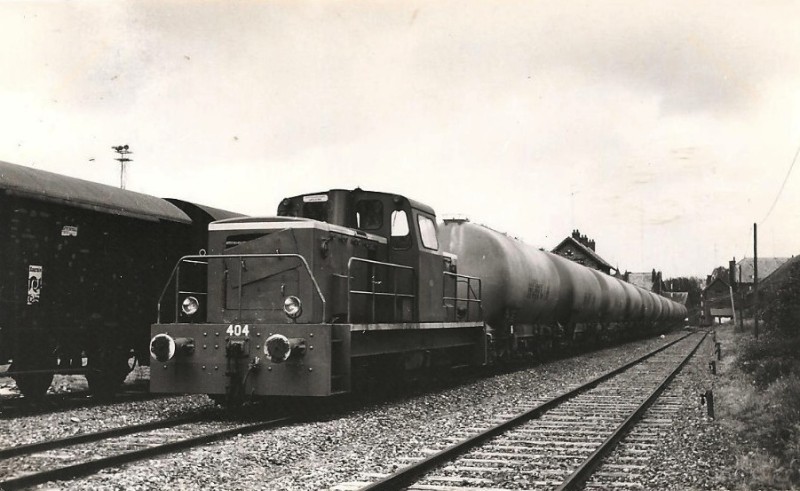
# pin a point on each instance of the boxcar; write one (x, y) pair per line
(82, 265)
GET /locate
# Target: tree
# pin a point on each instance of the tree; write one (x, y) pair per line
(720, 272)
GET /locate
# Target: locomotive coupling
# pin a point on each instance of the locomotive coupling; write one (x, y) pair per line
(278, 348)
(164, 347)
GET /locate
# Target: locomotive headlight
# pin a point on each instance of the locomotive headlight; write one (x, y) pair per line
(162, 347)
(292, 307)
(278, 348)
(190, 305)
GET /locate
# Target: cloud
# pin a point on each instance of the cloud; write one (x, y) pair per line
(651, 123)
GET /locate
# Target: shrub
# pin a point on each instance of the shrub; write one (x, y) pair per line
(780, 307)
(771, 357)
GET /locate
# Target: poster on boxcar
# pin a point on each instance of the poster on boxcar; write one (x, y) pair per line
(34, 284)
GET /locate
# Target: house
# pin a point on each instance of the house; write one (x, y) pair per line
(715, 301)
(581, 249)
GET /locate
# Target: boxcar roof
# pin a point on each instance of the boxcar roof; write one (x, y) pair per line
(212, 213)
(48, 186)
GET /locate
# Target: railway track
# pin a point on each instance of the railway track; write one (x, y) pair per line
(17, 406)
(626, 465)
(556, 443)
(85, 454)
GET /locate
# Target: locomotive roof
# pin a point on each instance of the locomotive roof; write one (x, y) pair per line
(414, 204)
(52, 187)
(265, 223)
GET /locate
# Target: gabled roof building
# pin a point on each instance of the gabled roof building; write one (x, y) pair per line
(715, 301)
(745, 269)
(581, 249)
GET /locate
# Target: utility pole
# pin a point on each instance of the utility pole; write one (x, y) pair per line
(755, 278)
(123, 152)
(733, 287)
(741, 301)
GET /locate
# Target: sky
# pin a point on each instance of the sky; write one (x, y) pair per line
(662, 130)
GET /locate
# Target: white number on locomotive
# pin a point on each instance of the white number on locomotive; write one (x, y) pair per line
(238, 330)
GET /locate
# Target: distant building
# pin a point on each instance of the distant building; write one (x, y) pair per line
(581, 249)
(649, 281)
(744, 273)
(715, 301)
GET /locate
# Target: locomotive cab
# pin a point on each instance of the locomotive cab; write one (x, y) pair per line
(410, 230)
(337, 283)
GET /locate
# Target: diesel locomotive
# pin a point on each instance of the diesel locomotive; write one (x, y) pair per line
(82, 266)
(341, 285)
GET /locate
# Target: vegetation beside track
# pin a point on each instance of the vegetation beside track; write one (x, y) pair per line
(758, 392)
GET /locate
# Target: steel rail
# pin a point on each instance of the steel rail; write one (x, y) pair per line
(69, 441)
(85, 468)
(579, 476)
(410, 473)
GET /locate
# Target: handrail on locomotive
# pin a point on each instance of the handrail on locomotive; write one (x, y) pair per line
(373, 294)
(472, 296)
(203, 259)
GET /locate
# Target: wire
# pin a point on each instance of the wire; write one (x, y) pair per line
(794, 160)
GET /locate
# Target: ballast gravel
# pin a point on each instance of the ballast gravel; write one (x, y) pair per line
(697, 453)
(51, 426)
(694, 452)
(321, 454)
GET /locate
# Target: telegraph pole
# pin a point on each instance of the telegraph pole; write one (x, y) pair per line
(733, 287)
(755, 278)
(123, 152)
(741, 301)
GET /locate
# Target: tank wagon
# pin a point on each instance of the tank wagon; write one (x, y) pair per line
(82, 267)
(533, 299)
(344, 284)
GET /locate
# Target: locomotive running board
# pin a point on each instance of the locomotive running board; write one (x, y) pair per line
(381, 339)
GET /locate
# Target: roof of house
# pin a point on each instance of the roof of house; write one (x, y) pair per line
(642, 280)
(766, 266)
(584, 249)
(780, 275)
(721, 312)
(716, 280)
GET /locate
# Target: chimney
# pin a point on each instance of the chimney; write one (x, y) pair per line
(591, 244)
(708, 280)
(576, 235)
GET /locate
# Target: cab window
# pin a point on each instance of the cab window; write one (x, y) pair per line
(427, 232)
(316, 211)
(401, 238)
(369, 214)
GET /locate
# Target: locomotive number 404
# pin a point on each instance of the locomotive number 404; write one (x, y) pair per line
(238, 330)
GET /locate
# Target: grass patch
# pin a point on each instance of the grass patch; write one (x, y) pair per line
(759, 398)
(772, 357)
